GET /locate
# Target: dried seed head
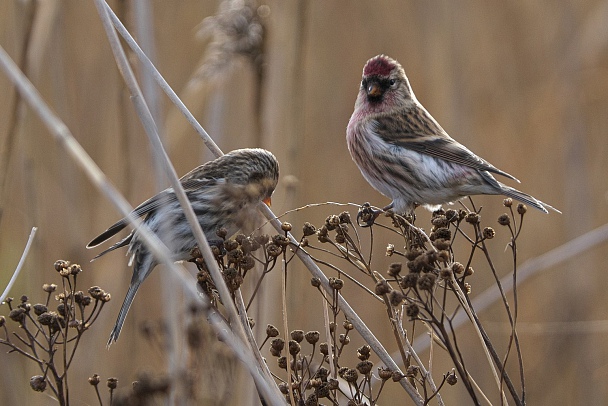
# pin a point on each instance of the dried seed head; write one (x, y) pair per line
(364, 367)
(312, 337)
(522, 208)
(38, 383)
(286, 226)
(322, 374)
(412, 310)
(473, 218)
(49, 288)
(47, 318)
(336, 283)
(451, 215)
(333, 383)
(348, 325)
(17, 315)
(397, 376)
(394, 269)
(60, 264)
(262, 239)
(396, 297)
(322, 235)
(94, 380)
(469, 272)
(282, 362)
(344, 339)
(504, 219)
(340, 239)
(272, 331)
(443, 255)
(332, 221)
(273, 250)
(446, 273)
(2, 321)
(413, 253)
(308, 229)
(364, 352)
(297, 336)
(284, 388)
(457, 268)
(390, 250)
(443, 232)
(234, 256)
(451, 379)
(489, 233)
(221, 232)
(427, 281)
(39, 309)
(247, 263)
(278, 344)
(230, 245)
(350, 375)
(323, 349)
(508, 202)
(412, 371)
(75, 269)
(385, 373)
(344, 217)
(409, 281)
(441, 244)
(294, 347)
(382, 287)
(112, 383)
(316, 282)
(440, 221)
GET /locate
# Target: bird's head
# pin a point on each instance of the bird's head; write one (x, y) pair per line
(384, 84)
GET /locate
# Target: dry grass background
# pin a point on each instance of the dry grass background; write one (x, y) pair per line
(525, 85)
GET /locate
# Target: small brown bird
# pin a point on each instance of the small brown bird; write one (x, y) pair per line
(224, 193)
(405, 154)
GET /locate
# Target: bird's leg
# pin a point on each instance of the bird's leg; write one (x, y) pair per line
(367, 216)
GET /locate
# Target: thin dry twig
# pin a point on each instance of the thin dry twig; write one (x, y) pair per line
(26, 250)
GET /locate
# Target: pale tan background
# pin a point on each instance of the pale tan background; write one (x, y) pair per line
(525, 85)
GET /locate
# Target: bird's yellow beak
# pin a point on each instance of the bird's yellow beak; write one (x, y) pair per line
(267, 201)
(374, 90)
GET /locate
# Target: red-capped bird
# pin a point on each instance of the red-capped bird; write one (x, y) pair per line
(405, 154)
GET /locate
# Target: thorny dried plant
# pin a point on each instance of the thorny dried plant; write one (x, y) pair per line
(51, 332)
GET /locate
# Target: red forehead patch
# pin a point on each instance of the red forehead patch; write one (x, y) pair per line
(380, 65)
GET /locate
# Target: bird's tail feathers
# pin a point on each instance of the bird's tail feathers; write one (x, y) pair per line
(140, 272)
(527, 199)
(122, 314)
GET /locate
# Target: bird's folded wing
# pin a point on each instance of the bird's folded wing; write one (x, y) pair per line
(430, 139)
(163, 198)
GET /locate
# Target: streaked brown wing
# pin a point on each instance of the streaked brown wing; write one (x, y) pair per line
(421, 133)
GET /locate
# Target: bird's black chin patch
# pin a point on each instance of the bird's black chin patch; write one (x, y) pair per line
(374, 99)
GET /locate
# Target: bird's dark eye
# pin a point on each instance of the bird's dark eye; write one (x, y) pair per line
(392, 82)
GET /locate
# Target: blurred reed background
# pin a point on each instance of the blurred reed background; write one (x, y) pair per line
(522, 84)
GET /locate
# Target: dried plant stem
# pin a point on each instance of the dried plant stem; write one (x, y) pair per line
(207, 140)
(26, 250)
(286, 329)
(465, 305)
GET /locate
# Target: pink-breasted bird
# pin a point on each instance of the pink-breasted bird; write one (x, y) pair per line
(224, 193)
(405, 154)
